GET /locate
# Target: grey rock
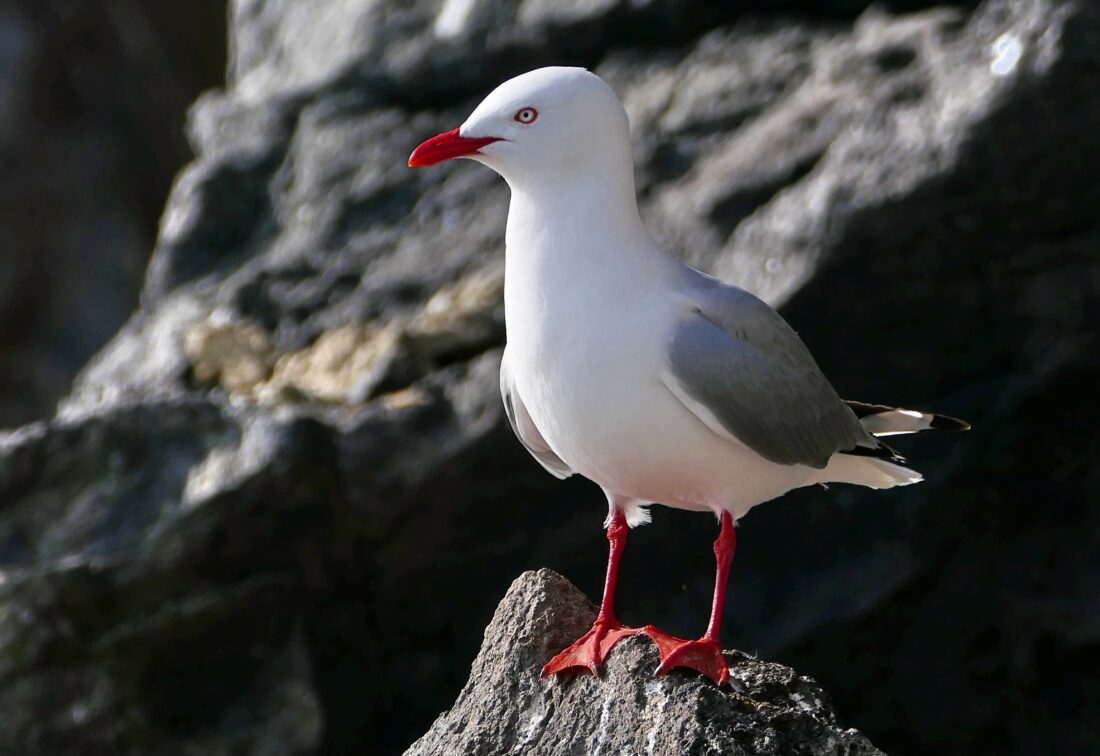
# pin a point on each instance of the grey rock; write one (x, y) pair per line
(507, 707)
(106, 609)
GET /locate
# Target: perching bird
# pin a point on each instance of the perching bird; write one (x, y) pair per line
(655, 381)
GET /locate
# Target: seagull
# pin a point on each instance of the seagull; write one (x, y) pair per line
(653, 380)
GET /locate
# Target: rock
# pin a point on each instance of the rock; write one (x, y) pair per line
(109, 593)
(237, 356)
(174, 605)
(507, 707)
(90, 106)
(347, 364)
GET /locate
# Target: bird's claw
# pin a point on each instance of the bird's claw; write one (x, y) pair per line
(590, 650)
(703, 655)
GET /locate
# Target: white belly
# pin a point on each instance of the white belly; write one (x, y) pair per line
(598, 398)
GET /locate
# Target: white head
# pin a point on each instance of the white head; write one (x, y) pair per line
(550, 124)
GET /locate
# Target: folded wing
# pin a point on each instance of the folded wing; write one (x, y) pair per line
(743, 371)
(524, 427)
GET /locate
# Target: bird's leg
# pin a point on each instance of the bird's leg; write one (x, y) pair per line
(590, 650)
(703, 655)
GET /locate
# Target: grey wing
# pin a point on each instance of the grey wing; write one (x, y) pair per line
(524, 427)
(742, 370)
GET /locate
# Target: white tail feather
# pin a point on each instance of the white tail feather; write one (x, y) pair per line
(866, 471)
(897, 422)
(881, 420)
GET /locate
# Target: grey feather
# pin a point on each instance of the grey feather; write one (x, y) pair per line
(524, 427)
(746, 370)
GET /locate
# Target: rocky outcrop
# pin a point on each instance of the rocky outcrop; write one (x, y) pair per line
(274, 512)
(507, 707)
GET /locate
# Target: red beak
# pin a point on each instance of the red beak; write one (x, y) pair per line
(446, 146)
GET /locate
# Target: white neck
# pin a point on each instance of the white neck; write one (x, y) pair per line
(580, 221)
(575, 247)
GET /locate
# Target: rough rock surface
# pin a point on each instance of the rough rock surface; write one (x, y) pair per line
(508, 708)
(275, 511)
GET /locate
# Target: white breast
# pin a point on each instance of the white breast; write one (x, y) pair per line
(589, 365)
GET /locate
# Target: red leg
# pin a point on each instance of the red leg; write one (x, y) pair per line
(590, 650)
(703, 655)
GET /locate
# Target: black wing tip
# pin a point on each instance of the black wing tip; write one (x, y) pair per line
(937, 422)
(945, 423)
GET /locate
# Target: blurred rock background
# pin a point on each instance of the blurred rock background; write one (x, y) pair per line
(92, 100)
(275, 510)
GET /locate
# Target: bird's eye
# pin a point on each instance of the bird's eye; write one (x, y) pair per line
(526, 115)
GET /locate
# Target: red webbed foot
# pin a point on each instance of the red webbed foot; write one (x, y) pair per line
(703, 655)
(590, 650)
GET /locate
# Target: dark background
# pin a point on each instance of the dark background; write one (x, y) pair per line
(230, 539)
(92, 101)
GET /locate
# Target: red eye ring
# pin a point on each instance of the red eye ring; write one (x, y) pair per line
(526, 116)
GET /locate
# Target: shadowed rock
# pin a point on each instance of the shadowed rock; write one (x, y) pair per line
(507, 707)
